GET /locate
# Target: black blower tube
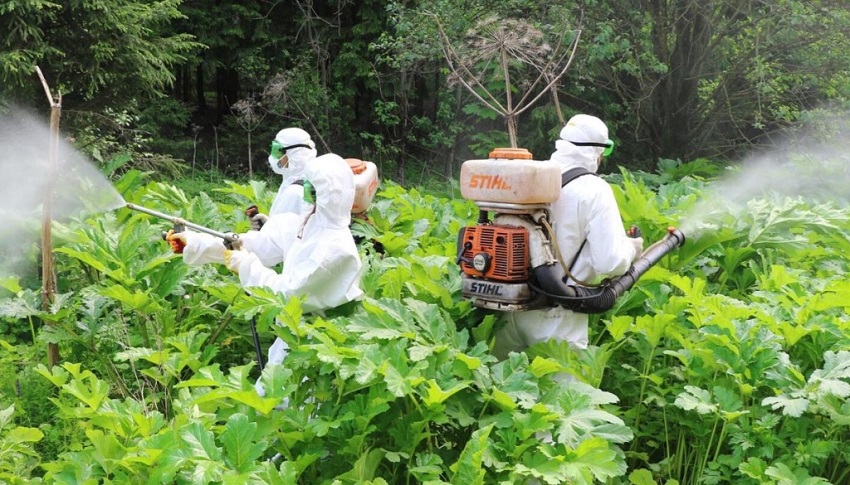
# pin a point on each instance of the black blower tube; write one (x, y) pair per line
(600, 299)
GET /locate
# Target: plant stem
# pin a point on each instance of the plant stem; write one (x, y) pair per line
(707, 448)
(639, 402)
(228, 317)
(144, 329)
(720, 440)
(32, 328)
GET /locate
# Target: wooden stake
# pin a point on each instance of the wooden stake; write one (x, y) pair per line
(48, 273)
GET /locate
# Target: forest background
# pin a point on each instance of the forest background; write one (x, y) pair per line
(205, 85)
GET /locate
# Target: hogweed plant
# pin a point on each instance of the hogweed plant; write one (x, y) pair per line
(726, 363)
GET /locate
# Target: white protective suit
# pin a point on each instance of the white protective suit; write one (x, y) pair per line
(263, 243)
(585, 209)
(321, 263)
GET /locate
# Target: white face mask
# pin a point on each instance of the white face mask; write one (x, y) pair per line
(274, 163)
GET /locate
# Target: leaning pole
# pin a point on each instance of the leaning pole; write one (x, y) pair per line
(48, 273)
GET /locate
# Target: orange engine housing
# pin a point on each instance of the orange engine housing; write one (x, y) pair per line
(501, 252)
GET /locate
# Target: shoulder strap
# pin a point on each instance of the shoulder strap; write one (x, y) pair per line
(566, 178)
(573, 174)
(298, 182)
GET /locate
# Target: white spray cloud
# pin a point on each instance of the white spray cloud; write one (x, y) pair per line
(811, 162)
(75, 185)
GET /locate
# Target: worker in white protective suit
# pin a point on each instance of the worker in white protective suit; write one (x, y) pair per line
(321, 263)
(291, 151)
(588, 230)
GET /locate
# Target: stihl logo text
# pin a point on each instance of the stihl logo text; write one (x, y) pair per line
(488, 182)
(485, 289)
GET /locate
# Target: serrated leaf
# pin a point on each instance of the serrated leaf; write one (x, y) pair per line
(396, 383)
(242, 443)
(138, 300)
(542, 366)
(694, 398)
(23, 434)
(365, 371)
(512, 378)
(107, 446)
(201, 442)
(595, 455)
(468, 469)
(92, 394)
(503, 400)
(581, 424)
(275, 379)
(420, 352)
(641, 476)
(6, 416)
(471, 363)
(10, 283)
(790, 406)
(436, 395)
(249, 397)
(365, 467)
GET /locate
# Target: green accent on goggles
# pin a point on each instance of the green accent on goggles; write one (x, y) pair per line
(278, 151)
(309, 193)
(608, 146)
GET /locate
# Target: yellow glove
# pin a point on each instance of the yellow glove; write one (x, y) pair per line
(231, 259)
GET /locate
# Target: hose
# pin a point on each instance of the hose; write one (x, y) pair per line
(560, 257)
(600, 299)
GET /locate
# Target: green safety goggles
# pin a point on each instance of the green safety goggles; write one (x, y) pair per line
(608, 146)
(278, 151)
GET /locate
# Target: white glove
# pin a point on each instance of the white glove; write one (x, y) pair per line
(637, 242)
(258, 221)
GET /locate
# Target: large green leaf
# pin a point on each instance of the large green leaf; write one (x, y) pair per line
(242, 443)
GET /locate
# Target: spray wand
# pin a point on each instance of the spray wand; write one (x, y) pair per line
(231, 240)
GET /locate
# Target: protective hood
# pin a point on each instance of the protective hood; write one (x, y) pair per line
(580, 129)
(298, 157)
(570, 156)
(333, 181)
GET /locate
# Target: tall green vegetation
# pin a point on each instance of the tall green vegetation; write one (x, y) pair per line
(726, 363)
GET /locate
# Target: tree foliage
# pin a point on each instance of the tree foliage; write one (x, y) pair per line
(99, 52)
(708, 78)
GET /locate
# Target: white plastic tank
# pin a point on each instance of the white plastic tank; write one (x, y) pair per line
(365, 183)
(511, 176)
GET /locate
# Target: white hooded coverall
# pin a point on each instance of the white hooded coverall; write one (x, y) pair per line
(585, 209)
(290, 200)
(321, 263)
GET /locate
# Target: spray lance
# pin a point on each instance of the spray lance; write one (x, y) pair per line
(231, 240)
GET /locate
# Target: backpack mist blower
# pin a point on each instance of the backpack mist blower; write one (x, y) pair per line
(511, 263)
